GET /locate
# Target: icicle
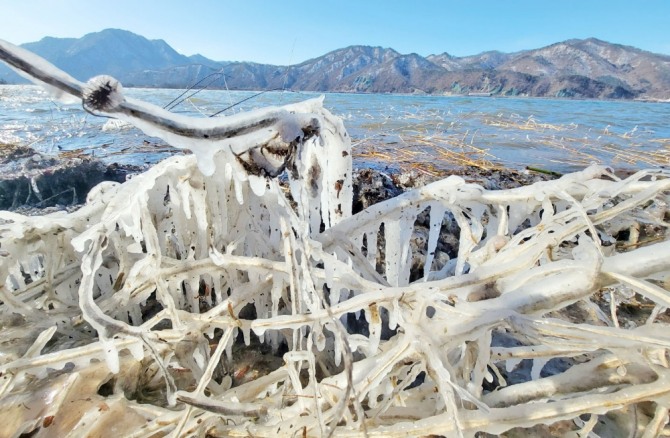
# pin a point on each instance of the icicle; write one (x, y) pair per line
(110, 354)
(257, 184)
(394, 314)
(398, 257)
(246, 333)
(436, 218)
(337, 351)
(136, 350)
(375, 327)
(371, 238)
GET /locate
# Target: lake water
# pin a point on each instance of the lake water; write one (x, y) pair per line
(423, 132)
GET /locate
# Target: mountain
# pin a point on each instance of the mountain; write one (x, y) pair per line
(627, 71)
(111, 51)
(320, 74)
(484, 61)
(588, 68)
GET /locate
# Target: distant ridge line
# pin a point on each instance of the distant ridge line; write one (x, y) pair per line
(576, 68)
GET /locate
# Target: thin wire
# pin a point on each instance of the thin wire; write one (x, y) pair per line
(244, 100)
(193, 94)
(170, 105)
(190, 88)
(230, 97)
(288, 69)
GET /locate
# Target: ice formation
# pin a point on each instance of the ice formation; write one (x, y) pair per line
(167, 299)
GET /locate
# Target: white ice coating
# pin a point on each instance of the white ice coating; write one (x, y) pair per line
(152, 280)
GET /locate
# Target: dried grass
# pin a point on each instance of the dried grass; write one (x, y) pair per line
(437, 148)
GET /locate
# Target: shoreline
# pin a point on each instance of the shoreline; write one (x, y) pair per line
(33, 183)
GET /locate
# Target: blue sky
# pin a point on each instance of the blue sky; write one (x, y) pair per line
(291, 31)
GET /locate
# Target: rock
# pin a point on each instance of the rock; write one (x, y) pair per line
(31, 182)
(371, 187)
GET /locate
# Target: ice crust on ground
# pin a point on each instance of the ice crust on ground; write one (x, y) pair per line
(133, 305)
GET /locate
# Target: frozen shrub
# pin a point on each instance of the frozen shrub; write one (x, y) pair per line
(165, 298)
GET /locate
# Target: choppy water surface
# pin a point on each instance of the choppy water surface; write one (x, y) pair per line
(430, 132)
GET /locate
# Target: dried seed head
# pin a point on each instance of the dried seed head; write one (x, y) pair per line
(102, 93)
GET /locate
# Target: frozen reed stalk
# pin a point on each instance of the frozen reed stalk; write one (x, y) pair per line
(196, 299)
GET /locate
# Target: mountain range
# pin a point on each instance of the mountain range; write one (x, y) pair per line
(586, 68)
